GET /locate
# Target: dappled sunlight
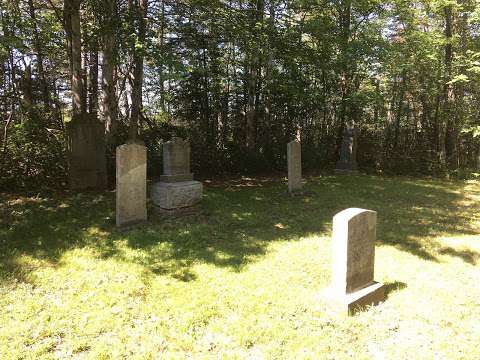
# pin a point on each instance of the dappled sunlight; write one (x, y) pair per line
(242, 216)
(242, 266)
(221, 235)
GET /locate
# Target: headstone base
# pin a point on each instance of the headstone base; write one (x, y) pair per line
(176, 213)
(177, 195)
(176, 178)
(296, 193)
(349, 304)
(346, 172)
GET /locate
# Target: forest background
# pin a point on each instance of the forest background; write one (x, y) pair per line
(240, 79)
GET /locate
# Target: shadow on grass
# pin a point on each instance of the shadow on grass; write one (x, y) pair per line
(469, 256)
(236, 224)
(395, 286)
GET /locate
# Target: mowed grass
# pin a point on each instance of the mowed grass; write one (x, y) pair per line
(242, 278)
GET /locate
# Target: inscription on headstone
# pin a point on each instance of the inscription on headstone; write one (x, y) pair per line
(294, 159)
(353, 260)
(131, 192)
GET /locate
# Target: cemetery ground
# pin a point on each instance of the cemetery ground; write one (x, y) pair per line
(242, 277)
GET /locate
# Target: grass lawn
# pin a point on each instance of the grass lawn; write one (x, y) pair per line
(240, 279)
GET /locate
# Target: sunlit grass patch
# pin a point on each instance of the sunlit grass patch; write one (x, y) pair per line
(242, 277)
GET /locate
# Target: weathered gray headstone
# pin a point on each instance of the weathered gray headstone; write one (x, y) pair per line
(176, 189)
(131, 184)
(353, 262)
(87, 160)
(176, 161)
(348, 152)
(294, 159)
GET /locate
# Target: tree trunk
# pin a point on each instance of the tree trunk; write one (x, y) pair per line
(446, 128)
(39, 54)
(138, 55)
(252, 79)
(93, 81)
(109, 99)
(74, 44)
(269, 68)
(344, 121)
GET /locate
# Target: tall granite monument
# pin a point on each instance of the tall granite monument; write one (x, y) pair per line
(353, 262)
(131, 190)
(176, 189)
(294, 159)
(87, 159)
(348, 151)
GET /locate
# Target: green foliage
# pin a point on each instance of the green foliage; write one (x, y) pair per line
(240, 79)
(35, 155)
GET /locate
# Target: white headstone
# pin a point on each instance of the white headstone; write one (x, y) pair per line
(294, 159)
(353, 261)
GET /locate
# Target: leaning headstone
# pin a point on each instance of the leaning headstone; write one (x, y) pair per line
(176, 190)
(87, 160)
(348, 151)
(294, 159)
(353, 262)
(131, 189)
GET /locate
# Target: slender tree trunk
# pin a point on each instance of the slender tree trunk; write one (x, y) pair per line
(27, 89)
(447, 123)
(109, 99)
(39, 54)
(74, 44)
(399, 110)
(93, 81)
(138, 56)
(269, 68)
(344, 120)
(252, 80)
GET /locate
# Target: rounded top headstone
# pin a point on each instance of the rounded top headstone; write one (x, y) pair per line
(351, 213)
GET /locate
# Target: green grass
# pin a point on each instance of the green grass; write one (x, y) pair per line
(241, 279)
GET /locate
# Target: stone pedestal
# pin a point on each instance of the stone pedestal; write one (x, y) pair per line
(176, 195)
(294, 159)
(131, 190)
(176, 190)
(353, 262)
(87, 160)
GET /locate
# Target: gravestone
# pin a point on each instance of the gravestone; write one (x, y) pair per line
(348, 151)
(294, 159)
(176, 190)
(353, 262)
(478, 159)
(131, 190)
(176, 161)
(87, 160)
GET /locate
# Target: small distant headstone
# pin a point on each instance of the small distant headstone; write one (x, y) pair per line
(87, 159)
(294, 159)
(176, 189)
(131, 184)
(353, 261)
(478, 159)
(348, 152)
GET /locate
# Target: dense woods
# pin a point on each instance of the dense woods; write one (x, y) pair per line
(240, 79)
